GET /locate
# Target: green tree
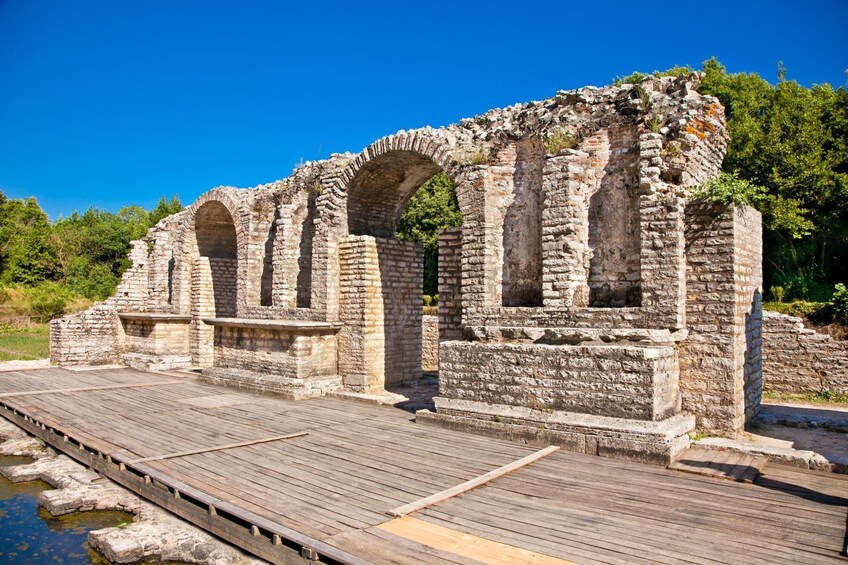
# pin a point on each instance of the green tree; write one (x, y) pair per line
(164, 208)
(25, 256)
(793, 142)
(430, 210)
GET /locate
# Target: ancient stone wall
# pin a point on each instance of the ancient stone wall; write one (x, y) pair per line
(430, 343)
(565, 295)
(381, 309)
(92, 337)
(619, 381)
(801, 360)
(450, 284)
(720, 370)
(270, 351)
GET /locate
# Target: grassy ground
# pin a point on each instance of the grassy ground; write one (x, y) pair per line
(823, 397)
(24, 343)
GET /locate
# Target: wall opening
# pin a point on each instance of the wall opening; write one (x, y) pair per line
(614, 277)
(216, 244)
(304, 262)
(388, 195)
(267, 281)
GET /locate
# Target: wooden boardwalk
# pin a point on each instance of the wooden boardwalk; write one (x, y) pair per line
(241, 466)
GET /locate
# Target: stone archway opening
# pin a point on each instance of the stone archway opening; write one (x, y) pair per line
(214, 276)
(387, 268)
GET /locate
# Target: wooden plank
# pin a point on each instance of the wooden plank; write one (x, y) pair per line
(465, 545)
(88, 388)
(216, 448)
(248, 516)
(473, 483)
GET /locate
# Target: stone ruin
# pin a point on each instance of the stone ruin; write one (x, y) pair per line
(585, 301)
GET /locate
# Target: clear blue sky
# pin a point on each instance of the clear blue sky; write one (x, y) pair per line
(115, 103)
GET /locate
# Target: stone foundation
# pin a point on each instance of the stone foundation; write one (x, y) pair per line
(154, 342)
(293, 359)
(634, 381)
(621, 438)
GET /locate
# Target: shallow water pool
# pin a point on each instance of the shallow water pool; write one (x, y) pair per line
(29, 534)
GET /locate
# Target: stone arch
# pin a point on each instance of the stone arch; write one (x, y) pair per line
(379, 182)
(379, 277)
(187, 250)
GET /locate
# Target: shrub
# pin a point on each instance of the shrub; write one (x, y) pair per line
(427, 299)
(559, 140)
(729, 190)
(778, 293)
(839, 303)
(47, 300)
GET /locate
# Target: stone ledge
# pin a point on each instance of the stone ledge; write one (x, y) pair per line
(574, 336)
(149, 362)
(297, 326)
(154, 317)
(633, 440)
(801, 458)
(286, 387)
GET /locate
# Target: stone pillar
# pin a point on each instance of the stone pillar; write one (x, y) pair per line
(283, 286)
(720, 361)
(662, 241)
(450, 280)
(380, 290)
(568, 182)
(202, 306)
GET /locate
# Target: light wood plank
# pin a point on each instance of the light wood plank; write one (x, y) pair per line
(465, 545)
(88, 388)
(472, 484)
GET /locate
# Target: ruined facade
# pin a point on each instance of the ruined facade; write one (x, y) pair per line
(585, 301)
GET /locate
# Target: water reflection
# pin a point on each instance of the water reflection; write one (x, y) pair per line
(29, 534)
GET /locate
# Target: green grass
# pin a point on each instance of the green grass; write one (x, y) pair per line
(821, 397)
(24, 343)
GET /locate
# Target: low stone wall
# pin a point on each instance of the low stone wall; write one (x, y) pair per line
(87, 338)
(619, 381)
(275, 352)
(430, 343)
(801, 360)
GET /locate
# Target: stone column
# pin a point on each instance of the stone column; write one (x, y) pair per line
(202, 306)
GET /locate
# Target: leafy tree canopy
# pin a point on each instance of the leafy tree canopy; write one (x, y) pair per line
(430, 210)
(84, 253)
(791, 141)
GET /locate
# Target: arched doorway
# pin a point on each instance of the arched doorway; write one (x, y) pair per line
(381, 277)
(214, 276)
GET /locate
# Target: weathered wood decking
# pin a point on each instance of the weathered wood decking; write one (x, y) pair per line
(330, 490)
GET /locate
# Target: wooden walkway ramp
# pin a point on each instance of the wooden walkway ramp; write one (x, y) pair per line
(318, 479)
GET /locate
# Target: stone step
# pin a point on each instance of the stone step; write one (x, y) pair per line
(720, 464)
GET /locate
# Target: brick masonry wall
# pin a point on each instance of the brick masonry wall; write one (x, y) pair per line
(430, 343)
(450, 281)
(625, 381)
(720, 374)
(93, 337)
(275, 352)
(801, 360)
(381, 308)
